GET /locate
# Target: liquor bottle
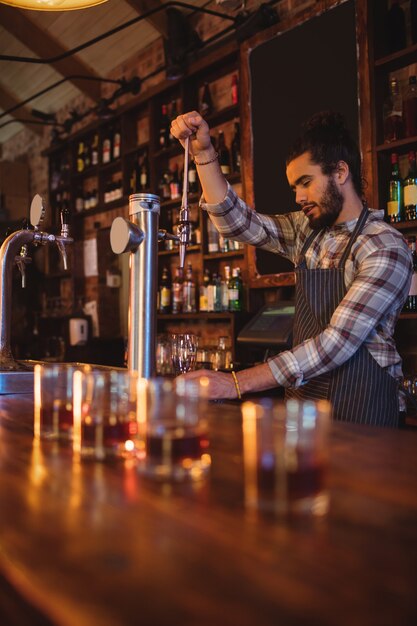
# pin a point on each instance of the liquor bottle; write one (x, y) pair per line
(80, 157)
(393, 114)
(174, 185)
(164, 128)
(217, 293)
(236, 149)
(235, 89)
(94, 150)
(177, 291)
(411, 302)
(395, 28)
(192, 177)
(133, 179)
(410, 108)
(212, 237)
(189, 289)
(410, 188)
(144, 173)
(87, 156)
(210, 294)
(206, 102)
(165, 292)
(203, 294)
(395, 197)
(224, 288)
(106, 148)
(224, 154)
(235, 291)
(117, 141)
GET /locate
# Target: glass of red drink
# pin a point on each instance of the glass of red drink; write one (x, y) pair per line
(53, 416)
(107, 406)
(173, 436)
(286, 455)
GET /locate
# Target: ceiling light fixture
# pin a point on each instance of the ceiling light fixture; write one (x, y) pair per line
(52, 5)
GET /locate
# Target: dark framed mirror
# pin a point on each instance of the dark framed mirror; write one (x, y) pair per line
(310, 67)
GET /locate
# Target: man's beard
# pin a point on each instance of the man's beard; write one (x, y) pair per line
(331, 205)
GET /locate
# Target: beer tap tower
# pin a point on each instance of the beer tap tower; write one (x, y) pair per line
(14, 250)
(140, 236)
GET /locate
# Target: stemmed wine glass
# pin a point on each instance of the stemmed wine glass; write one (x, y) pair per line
(183, 352)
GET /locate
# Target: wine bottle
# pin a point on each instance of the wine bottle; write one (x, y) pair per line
(94, 150)
(80, 157)
(173, 116)
(144, 173)
(395, 196)
(410, 108)
(177, 291)
(225, 289)
(164, 128)
(165, 292)
(224, 154)
(192, 177)
(117, 140)
(206, 103)
(393, 114)
(106, 149)
(203, 299)
(189, 288)
(236, 291)
(410, 188)
(174, 185)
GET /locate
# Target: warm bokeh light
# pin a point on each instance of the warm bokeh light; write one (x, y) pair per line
(52, 5)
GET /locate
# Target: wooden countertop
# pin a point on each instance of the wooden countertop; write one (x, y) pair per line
(95, 544)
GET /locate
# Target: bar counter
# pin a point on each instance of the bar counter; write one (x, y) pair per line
(95, 544)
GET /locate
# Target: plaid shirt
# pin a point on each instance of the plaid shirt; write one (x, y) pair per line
(377, 277)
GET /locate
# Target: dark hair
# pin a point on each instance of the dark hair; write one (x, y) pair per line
(328, 141)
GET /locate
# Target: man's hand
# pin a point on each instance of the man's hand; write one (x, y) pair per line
(194, 126)
(221, 385)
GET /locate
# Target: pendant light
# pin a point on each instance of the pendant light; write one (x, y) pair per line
(52, 5)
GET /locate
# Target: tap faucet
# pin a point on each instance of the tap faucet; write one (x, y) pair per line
(15, 249)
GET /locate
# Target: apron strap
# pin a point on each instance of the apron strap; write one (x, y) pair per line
(355, 233)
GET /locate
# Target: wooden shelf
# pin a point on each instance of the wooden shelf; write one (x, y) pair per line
(405, 225)
(196, 248)
(102, 208)
(223, 255)
(198, 316)
(408, 316)
(395, 61)
(393, 145)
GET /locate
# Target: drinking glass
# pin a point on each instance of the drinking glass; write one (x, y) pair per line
(173, 431)
(107, 405)
(286, 455)
(53, 405)
(183, 352)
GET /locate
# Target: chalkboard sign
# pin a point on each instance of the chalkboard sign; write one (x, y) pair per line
(311, 68)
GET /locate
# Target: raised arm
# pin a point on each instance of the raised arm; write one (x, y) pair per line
(212, 181)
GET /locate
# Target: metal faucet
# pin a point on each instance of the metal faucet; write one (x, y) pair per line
(140, 237)
(15, 250)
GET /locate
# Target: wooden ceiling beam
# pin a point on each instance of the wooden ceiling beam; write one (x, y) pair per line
(157, 20)
(45, 46)
(7, 101)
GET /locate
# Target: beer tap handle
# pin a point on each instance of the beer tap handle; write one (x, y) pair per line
(64, 239)
(184, 224)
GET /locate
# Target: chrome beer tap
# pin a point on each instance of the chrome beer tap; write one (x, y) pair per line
(14, 249)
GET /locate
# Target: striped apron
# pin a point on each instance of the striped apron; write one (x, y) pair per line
(360, 390)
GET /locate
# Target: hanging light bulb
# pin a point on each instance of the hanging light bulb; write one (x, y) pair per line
(52, 5)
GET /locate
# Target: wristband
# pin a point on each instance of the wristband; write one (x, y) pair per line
(216, 155)
(235, 380)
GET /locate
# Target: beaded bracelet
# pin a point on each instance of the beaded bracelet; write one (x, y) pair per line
(216, 155)
(235, 380)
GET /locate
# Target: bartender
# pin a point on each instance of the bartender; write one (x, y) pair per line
(353, 274)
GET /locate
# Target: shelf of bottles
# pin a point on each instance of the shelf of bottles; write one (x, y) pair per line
(395, 88)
